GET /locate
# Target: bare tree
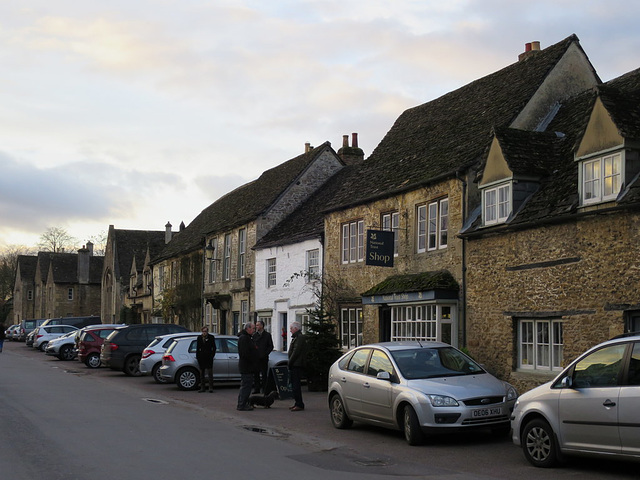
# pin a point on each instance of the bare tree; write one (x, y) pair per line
(99, 243)
(8, 264)
(56, 239)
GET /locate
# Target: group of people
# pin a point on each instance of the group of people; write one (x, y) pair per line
(254, 346)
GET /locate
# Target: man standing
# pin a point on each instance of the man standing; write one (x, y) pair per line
(248, 365)
(297, 352)
(205, 351)
(264, 342)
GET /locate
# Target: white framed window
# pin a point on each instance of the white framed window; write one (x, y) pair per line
(70, 294)
(303, 319)
(242, 250)
(271, 272)
(540, 344)
(353, 242)
(244, 311)
(432, 225)
(602, 178)
(161, 278)
(496, 204)
(213, 263)
(313, 263)
(226, 262)
(428, 322)
(351, 327)
(391, 223)
(211, 318)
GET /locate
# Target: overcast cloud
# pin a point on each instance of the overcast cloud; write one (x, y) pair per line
(138, 113)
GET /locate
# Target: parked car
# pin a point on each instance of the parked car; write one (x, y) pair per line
(151, 360)
(90, 342)
(63, 347)
(12, 332)
(28, 326)
(29, 340)
(591, 408)
(122, 349)
(77, 322)
(45, 333)
(179, 362)
(417, 387)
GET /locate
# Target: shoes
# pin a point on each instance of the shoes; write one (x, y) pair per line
(295, 408)
(211, 390)
(245, 409)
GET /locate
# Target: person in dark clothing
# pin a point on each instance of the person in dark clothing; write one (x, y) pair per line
(2, 336)
(297, 352)
(264, 342)
(248, 364)
(205, 352)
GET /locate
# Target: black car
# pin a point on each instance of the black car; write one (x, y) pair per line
(122, 349)
(78, 322)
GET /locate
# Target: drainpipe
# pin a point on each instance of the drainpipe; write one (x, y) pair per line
(463, 287)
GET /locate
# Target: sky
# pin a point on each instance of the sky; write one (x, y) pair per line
(138, 113)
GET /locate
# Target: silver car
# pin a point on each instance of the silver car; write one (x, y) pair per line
(179, 362)
(151, 359)
(419, 388)
(63, 347)
(591, 408)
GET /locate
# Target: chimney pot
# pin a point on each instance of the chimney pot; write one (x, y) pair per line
(167, 232)
(535, 45)
(527, 47)
(307, 147)
(354, 140)
(345, 141)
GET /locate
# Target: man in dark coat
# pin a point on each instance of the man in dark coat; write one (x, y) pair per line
(297, 352)
(205, 351)
(264, 342)
(248, 364)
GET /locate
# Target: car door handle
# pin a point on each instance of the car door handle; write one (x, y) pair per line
(366, 385)
(609, 403)
(343, 379)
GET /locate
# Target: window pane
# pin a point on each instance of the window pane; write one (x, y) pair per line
(600, 369)
(433, 225)
(422, 228)
(444, 222)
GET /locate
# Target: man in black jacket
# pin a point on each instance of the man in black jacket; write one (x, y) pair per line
(248, 364)
(297, 353)
(264, 342)
(205, 351)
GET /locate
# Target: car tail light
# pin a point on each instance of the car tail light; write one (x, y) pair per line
(168, 358)
(38, 336)
(147, 352)
(113, 346)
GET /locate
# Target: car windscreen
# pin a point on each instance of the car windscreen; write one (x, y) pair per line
(434, 362)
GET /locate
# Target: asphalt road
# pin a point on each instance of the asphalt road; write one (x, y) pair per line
(61, 420)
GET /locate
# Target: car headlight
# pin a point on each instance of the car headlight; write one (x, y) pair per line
(442, 401)
(512, 393)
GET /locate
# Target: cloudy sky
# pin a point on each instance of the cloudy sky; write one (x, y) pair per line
(139, 112)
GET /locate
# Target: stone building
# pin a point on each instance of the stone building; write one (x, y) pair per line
(554, 250)
(419, 184)
(206, 273)
(122, 298)
(24, 303)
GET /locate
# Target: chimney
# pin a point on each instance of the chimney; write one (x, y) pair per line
(307, 147)
(350, 154)
(529, 49)
(167, 233)
(84, 256)
(90, 248)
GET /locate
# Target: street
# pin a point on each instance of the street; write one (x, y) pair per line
(62, 420)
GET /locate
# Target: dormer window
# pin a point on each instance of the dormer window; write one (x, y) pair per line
(602, 178)
(496, 204)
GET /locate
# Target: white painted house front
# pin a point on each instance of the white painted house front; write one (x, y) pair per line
(283, 290)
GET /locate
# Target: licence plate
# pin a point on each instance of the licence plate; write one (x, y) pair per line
(486, 412)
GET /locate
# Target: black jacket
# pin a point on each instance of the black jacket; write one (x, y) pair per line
(264, 342)
(205, 349)
(248, 352)
(297, 350)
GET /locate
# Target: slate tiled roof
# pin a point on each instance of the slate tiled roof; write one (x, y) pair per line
(242, 205)
(27, 265)
(130, 243)
(419, 282)
(65, 268)
(438, 138)
(44, 260)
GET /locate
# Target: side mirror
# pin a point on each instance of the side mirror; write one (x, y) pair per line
(383, 376)
(567, 382)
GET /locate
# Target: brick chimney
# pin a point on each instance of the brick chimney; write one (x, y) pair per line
(307, 147)
(167, 232)
(529, 49)
(350, 154)
(84, 259)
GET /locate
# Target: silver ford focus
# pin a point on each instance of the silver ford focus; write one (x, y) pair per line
(420, 388)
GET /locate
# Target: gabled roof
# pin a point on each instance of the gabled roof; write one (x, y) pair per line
(242, 205)
(44, 260)
(64, 267)
(27, 267)
(621, 98)
(435, 140)
(134, 243)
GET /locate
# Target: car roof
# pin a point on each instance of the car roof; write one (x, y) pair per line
(177, 335)
(216, 336)
(406, 345)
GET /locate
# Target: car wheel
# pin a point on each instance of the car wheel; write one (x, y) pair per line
(66, 353)
(539, 444)
(132, 366)
(413, 433)
(155, 372)
(187, 379)
(43, 346)
(339, 416)
(93, 360)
